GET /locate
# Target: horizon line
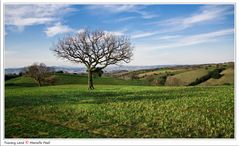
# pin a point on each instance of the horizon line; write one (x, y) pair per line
(127, 65)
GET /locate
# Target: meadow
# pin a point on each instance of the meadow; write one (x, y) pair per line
(125, 105)
(119, 111)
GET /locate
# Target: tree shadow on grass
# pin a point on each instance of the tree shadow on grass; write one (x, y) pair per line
(85, 97)
(21, 85)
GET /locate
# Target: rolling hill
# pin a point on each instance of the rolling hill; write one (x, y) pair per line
(226, 79)
(166, 76)
(62, 79)
(184, 75)
(185, 78)
(119, 108)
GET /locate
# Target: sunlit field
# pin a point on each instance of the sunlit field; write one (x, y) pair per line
(119, 111)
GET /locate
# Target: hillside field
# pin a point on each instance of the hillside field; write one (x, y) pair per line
(124, 105)
(62, 79)
(119, 111)
(227, 78)
(203, 75)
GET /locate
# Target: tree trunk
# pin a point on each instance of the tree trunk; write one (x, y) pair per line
(90, 80)
(39, 83)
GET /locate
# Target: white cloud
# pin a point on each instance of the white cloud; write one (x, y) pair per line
(143, 34)
(123, 19)
(117, 33)
(146, 15)
(162, 53)
(80, 30)
(105, 9)
(206, 14)
(197, 39)
(58, 28)
(168, 37)
(115, 8)
(34, 14)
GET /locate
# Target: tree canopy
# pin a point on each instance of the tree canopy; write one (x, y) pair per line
(95, 49)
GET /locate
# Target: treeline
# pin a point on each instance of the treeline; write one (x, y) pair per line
(11, 76)
(41, 73)
(215, 74)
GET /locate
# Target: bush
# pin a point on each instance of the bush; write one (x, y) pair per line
(134, 76)
(215, 74)
(160, 80)
(11, 76)
(150, 78)
(50, 80)
(60, 72)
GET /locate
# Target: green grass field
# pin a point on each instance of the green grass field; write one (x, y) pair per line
(185, 78)
(62, 79)
(163, 71)
(226, 79)
(123, 111)
(203, 75)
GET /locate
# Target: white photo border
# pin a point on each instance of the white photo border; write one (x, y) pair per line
(118, 141)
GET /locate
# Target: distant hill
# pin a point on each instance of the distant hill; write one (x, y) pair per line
(186, 78)
(226, 79)
(109, 69)
(182, 75)
(62, 79)
(13, 70)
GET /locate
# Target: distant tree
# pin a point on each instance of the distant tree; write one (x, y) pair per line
(39, 73)
(160, 80)
(11, 76)
(21, 73)
(60, 71)
(133, 76)
(50, 80)
(95, 49)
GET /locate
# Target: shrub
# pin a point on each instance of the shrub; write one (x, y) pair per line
(215, 74)
(160, 80)
(60, 71)
(50, 80)
(134, 76)
(11, 76)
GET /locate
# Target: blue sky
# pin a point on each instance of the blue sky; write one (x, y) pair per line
(161, 34)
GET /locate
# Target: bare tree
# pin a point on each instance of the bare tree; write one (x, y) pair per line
(39, 73)
(95, 49)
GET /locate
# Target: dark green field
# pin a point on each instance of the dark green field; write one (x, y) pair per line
(116, 108)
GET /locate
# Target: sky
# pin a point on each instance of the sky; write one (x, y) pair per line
(161, 34)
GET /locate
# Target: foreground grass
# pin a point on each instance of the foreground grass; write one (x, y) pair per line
(119, 111)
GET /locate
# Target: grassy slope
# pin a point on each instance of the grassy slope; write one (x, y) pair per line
(83, 79)
(119, 111)
(182, 75)
(21, 81)
(62, 79)
(162, 71)
(227, 78)
(185, 78)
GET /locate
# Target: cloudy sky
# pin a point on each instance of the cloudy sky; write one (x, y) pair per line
(161, 34)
